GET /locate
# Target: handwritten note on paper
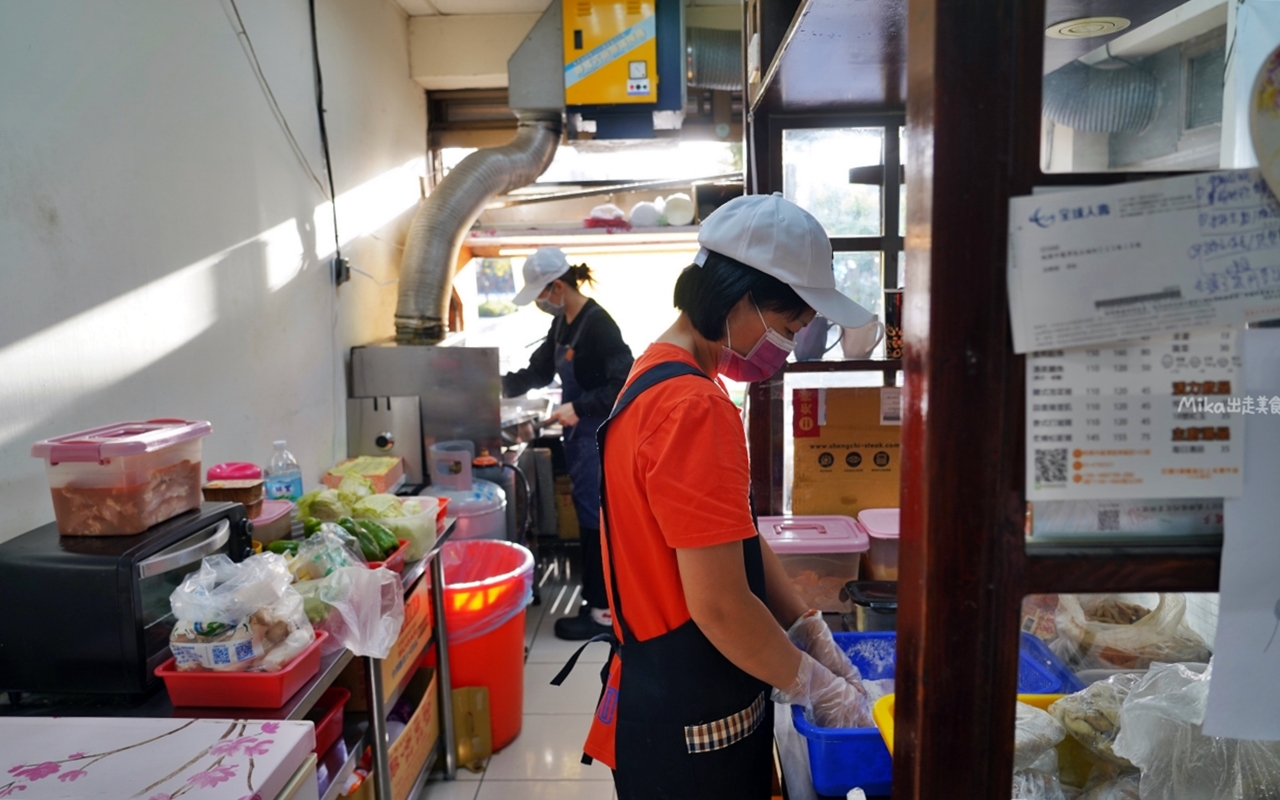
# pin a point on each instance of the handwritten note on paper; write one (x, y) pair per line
(1113, 264)
(1158, 417)
(1243, 699)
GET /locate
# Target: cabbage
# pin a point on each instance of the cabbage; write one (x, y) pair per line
(353, 488)
(304, 502)
(378, 506)
(411, 508)
(328, 506)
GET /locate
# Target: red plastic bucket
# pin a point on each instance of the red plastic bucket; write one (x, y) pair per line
(488, 584)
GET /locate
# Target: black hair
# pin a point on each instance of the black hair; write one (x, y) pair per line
(577, 275)
(707, 293)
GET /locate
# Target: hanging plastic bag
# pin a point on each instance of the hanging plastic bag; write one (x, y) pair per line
(361, 609)
(1108, 632)
(1092, 715)
(238, 617)
(1160, 733)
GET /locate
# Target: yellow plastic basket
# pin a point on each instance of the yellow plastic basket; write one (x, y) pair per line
(1074, 761)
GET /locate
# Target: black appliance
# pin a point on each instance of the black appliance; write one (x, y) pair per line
(91, 613)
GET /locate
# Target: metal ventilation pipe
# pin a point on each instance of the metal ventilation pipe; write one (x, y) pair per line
(1084, 98)
(714, 59)
(442, 221)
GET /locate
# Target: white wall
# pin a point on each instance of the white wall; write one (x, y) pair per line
(165, 253)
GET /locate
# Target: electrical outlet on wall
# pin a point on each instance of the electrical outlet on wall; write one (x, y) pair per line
(341, 270)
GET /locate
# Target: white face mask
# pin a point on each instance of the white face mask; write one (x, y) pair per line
(545, 305)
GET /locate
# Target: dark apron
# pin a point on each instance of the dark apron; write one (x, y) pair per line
(580, 440)
(690, 724)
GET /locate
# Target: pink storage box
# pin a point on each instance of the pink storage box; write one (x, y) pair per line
(235, 471)
(121, 479)
(274, 521)
(881, 526)
(819, 553)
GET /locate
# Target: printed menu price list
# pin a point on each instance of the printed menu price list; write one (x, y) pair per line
(1155, 417)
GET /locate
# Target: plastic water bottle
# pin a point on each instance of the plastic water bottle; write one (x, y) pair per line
(284, 476)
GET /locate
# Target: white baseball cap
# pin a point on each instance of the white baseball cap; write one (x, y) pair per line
(777, 237)
(540, 269)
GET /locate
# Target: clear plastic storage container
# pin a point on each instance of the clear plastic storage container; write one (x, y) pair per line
(881, 525)
(121, 479)
(820, 554)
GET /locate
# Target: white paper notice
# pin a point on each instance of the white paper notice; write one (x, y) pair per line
(1112, 264)
(1244, 696)
(1159, 417)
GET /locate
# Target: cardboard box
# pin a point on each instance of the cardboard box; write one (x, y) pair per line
(409, 753)
(847, 453)
(566, 514)
(405, 654)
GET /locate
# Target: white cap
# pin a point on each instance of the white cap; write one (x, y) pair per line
(777, 237)
(540, 269)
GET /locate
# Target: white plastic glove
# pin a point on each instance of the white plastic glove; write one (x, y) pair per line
(830, 701)
(811, 634)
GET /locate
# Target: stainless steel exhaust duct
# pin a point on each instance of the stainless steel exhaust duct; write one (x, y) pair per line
(535, 78)
(1084, 98)
(442, 221)
(714, 59)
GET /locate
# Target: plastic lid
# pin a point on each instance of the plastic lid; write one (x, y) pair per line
(484, 460)
(119, 440)
(483, 497)
(880, 523)
(812, 534)
(235, 471)
(279, 443)
(273, 510)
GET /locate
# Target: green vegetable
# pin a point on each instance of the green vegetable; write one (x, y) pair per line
(311, 525)
(304, 502)
(284, 546)
(354, 488)
(386, 540)
(327, 506)
(368, 544)
(378, 506)
(315, 608)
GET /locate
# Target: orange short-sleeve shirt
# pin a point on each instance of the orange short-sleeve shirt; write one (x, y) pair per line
(676, 468)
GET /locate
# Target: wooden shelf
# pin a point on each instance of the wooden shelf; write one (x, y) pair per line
(1130, 568)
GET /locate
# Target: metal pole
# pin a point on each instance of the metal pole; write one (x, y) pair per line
(442, 659)
(378, 727)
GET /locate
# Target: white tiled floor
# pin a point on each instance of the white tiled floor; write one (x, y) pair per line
(545, 761)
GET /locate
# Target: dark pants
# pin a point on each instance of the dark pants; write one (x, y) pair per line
(593, 591)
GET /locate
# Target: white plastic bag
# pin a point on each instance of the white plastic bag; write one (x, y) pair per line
(1091, 716)
(236, 617)
(1095, 632)
(361, 609)
(1035, 733)
(1039, 780)
(1160, 733)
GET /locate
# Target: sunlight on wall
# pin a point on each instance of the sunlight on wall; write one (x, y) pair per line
(285, 256)
(110, 342)
(369, 206)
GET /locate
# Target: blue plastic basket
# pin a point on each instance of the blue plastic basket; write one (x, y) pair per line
(842, 758)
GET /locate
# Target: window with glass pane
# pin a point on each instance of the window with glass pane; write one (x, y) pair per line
(858, 276)
(816, 163)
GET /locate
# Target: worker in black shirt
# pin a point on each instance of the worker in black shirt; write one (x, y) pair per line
(585, 348)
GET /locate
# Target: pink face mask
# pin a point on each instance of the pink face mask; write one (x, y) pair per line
(765, 359)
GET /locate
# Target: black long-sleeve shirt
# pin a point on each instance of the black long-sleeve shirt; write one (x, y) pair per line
(601, 361)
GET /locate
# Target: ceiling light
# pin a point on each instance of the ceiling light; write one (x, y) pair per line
(1086, 27)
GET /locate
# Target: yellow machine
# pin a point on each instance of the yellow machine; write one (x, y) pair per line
(610, 52)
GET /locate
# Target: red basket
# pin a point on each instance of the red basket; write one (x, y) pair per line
(242, 689)
(395, 561)
(328, 709)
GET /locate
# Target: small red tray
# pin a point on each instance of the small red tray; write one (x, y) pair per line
(329, 725)
(241, 689)
(395, 561)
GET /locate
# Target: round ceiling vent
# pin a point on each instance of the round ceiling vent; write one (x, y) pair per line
(1086, 27)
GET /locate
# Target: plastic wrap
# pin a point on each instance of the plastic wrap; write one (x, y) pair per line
(1092, 716)
(361, 609)
(1038, 780)
(236, 617)
(1160, 733)
(1124, 787)
(1106, 632)
(322, 552)
(1035, 733)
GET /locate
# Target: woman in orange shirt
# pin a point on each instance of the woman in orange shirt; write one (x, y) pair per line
(701, 607)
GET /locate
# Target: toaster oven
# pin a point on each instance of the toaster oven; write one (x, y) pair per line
(91, 614)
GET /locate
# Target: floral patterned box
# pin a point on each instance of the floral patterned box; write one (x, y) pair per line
(149, 759)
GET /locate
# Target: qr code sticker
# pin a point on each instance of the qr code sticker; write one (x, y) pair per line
(221, 654)
(1109, 519)
(1051, 466)
(244, 650)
